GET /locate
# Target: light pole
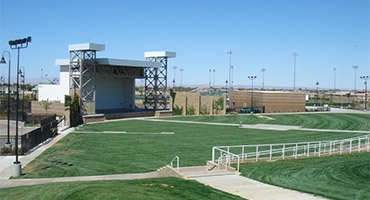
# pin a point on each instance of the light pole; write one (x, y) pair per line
(210, 75)
(18, 44)
(335, 78)
(23, 78)
(294, 54)
(263, 78)
(174, 76)
(214, 77)
(8, 144)
(317, 92)
(229, 52)
(365, 82)
(232, 77)
(252, 78)
(181, 70)
(355, 68)
(333, 93)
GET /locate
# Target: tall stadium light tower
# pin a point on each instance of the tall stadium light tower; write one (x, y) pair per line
(263, 78)
(174, 76)
(214, 77)
(8, 144)
(210, 77)
(232, 77)
(335, 78)
(294, 54)
(229, 52)
(18, 44)
(181, 70)
(365, 82)
(252, 78)
(355, 68)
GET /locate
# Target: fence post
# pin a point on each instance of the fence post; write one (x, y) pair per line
(308, 149)
(359, 144)
(296, 150)
(283, 152)
(256, 153)
(270, 151)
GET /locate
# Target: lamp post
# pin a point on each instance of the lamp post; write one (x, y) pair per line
(214, 77)
(18, 44)
(210, 75)
(232, 77)
(181, 70)
(8, 144)
(294, 54)
(365, 82)
(174, 76)
(317, 92)
(23, 78)
(229, 52)
(263, 78)
(252, 78)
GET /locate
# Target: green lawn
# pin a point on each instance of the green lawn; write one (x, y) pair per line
(84, 153)
(335, 177)
(92, 151)
(337, 121)
(151, 189)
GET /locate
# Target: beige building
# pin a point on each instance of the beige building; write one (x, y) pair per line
(268, 101)
(197, 103)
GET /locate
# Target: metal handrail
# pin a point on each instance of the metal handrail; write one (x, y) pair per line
(177, 162)
(293, 149)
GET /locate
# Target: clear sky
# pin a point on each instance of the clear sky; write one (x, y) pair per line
(327, 34)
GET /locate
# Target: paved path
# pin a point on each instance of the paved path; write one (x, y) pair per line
(251, 189)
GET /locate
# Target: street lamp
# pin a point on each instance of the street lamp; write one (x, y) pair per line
(181, 70)
(365, 79)
(23, 78)
(174, 76)
(263, 78)
(355, 68)
(8, 144)
(252, 78)
(232, 77)
(214, 77)
(210, 75)
(294, 54)
(317, 92)
(18, 44)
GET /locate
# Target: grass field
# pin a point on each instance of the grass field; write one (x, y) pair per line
(151, 189)
(90, 151)
(138, 146)
(335, 177)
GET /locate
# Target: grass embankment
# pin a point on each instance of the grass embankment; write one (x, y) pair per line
(139, 150)
(336, 121)
(151, 189)
(99, 153)
(336, 177)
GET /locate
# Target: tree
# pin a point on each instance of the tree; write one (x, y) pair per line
(75, 111)
(46, 105)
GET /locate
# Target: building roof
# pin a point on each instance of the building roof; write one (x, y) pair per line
(160, 54)
(116, 62)
(45, 81)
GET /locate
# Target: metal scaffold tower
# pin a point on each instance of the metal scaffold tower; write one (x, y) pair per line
(82, 71)
(156, 80)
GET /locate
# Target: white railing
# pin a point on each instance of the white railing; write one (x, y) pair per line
(177, 162)
(226, 158)
(242, 153)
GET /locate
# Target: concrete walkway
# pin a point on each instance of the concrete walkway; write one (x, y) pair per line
(251, 189)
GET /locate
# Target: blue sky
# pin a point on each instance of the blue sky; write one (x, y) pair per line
(327, 34)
